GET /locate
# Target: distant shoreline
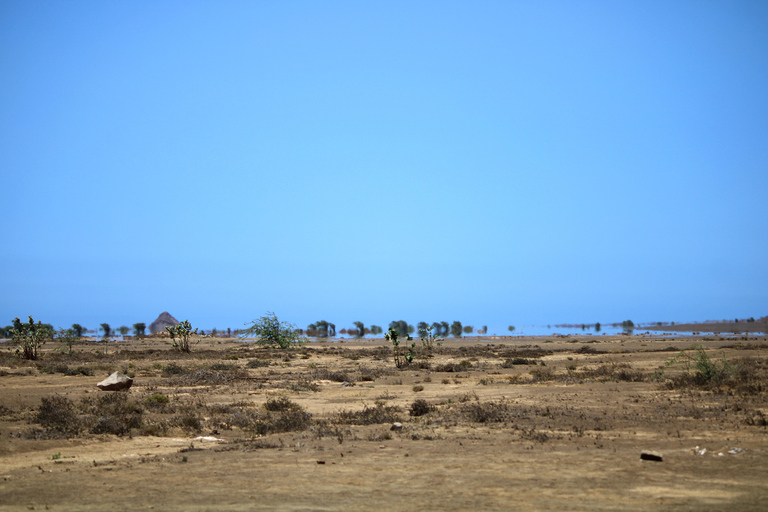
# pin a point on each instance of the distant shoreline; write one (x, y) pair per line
(760, 325)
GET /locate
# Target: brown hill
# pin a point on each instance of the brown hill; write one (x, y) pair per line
(159, 325)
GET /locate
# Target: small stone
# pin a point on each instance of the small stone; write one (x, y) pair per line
(397, 426)
(346, 384)
(115, 382)
(647, 455)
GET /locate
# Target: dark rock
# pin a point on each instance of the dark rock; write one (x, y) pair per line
(115, 382)
(647, 455)
(164, 320)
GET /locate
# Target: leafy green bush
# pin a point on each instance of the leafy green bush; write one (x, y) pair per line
(181, 334)
(272, 332)
(29, 337)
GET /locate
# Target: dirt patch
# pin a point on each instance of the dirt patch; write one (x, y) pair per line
(544, 424)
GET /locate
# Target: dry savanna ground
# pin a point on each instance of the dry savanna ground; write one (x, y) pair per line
(492, 424)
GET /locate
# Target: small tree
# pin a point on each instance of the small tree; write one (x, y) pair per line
(422, 328)
(123, 330)
(456, 329)
(107, 330)
(139, 329)
(401, 326)
(597, 327)
(468, 329)
(375, 329)
(360, 329)
(402, 359)
(180, 336)
(29, 337)
(78, 330)
(428, 341)
(511, 328)
(271, 331)
(69, 337)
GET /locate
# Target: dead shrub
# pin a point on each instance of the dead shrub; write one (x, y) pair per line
(420, 408)
(325, 374)
(114, 413)
(58, 416)
(281, 404)
(487, 412)
(381, 413)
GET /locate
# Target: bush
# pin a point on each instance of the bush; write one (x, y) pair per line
(29, 337)
(487, 412)
(420, 408)
(180, 336)
(369, 415)
(58, 415)
(271, 332)
(116, 413)
(281, 404)
(698, 369)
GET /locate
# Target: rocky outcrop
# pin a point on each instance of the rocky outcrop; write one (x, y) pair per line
(115, 382)
(164, 320)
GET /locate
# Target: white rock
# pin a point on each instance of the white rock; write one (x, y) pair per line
(115, 382)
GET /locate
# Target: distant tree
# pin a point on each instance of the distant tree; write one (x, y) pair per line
(411, 329)
(511, 328)
(360, 329)
(271, 331)
(107, 330)
(69, 337)
(628, 326)
(214, 332)
(456, 329)
(444, 329)
(401, 326)
(139, 329)
(78, 330)
(5, 332)
(229, 332)
(375, 329)
(597, 327)
(485, 329)
(123, 330)
(468, 329)
(422, 328)
(322, 329)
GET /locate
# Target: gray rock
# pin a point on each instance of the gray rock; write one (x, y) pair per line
(115, 382)
(397, 426)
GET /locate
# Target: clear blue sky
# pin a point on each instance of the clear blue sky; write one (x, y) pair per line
(522, 162)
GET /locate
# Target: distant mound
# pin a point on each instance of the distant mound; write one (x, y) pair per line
(159, 325)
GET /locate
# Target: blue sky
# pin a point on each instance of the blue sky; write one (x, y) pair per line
(495, 163)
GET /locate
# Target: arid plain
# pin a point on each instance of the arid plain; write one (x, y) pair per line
(507, 423)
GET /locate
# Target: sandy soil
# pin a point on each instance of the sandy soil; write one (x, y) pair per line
(570, 439)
